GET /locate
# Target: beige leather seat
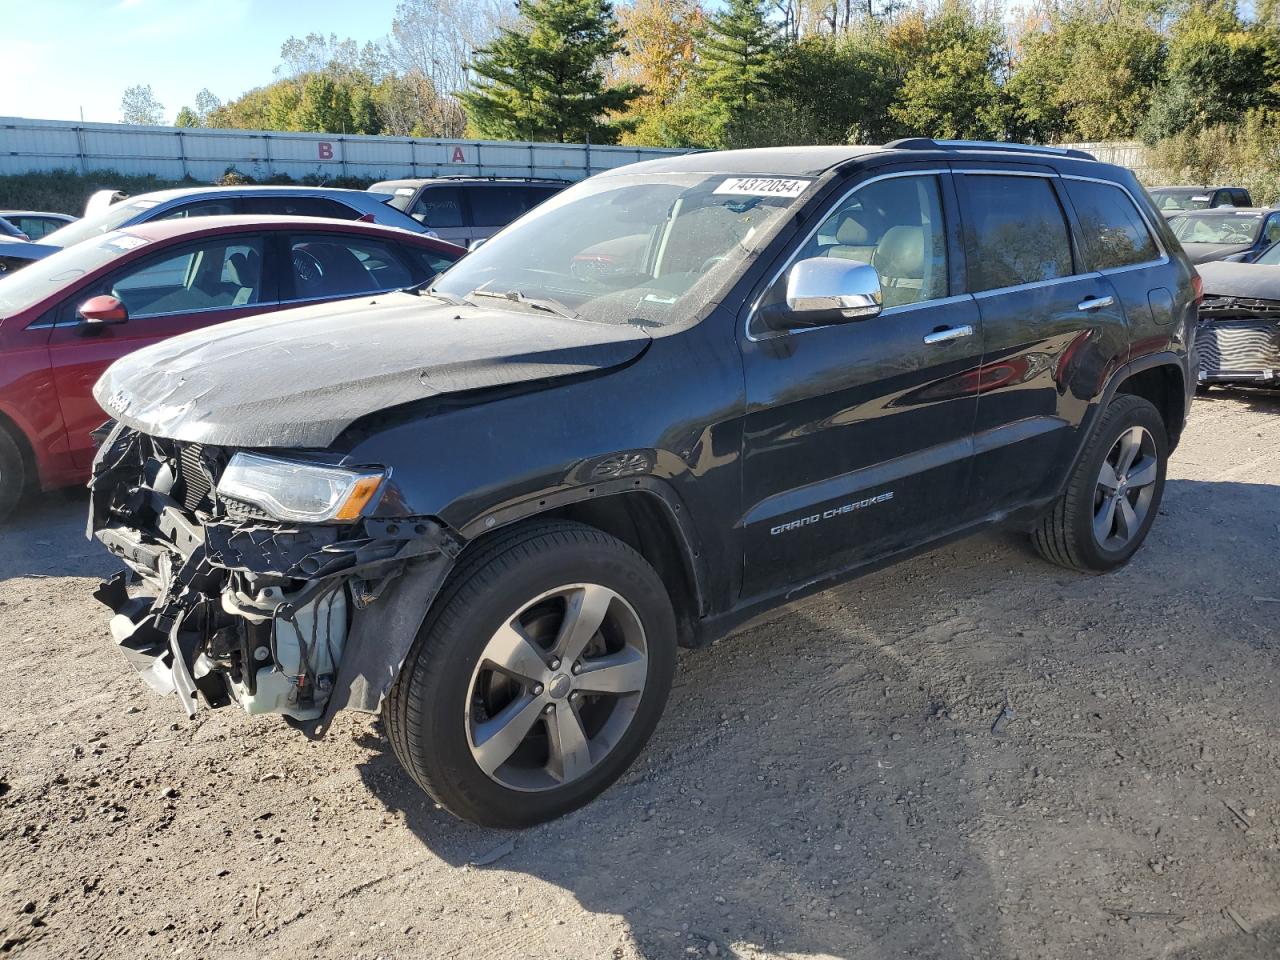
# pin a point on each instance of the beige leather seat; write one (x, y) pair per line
(899, 259)
(852, 242)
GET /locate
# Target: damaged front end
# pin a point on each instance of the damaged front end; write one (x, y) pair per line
(226, 602)
(1238, 340)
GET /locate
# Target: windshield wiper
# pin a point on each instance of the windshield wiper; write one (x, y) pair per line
(537, 303)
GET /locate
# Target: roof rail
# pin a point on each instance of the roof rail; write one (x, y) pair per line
(926, 143)
(495, 177)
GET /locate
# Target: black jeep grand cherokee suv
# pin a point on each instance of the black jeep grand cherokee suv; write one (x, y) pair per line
(672, 397)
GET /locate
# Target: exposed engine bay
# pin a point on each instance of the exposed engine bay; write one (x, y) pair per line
(223, 603)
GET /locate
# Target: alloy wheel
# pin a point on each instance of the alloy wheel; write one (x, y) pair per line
(1125, 488)
(556, 687)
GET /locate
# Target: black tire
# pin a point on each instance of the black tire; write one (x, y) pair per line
(1065, 534)
(13, 474)
(428, 711)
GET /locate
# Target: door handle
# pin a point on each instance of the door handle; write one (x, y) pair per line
(950, 333)
(1095, 303)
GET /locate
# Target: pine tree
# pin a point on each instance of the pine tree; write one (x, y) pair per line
(739, 55)
(544, 79)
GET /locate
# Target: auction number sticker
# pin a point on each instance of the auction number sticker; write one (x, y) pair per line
(763, 187)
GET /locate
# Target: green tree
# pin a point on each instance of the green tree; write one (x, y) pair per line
(950, 88)
(1217, 70)
(738, 56)
(186, 118)
(544, 78)
(139, 105)
(1085, 73)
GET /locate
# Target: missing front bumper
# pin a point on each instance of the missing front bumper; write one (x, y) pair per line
(302, 621)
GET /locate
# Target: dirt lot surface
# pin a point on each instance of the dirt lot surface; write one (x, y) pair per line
(827, 784)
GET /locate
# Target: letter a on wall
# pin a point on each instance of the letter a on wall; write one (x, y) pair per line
(326, 150)
(458, 156)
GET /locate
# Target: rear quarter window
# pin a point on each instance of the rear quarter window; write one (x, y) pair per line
(1112, 231)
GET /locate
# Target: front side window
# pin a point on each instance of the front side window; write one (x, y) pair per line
(1015, 232)
(1112, 230)
(896, 226)
(647, 249)
(1271, 232)
(217, 273)
(334, 266)
(439, 207)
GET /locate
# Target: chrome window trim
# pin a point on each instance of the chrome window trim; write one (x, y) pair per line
(895, 174)
(1017, 287)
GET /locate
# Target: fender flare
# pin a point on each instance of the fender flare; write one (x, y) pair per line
(1122, 373)
(689, 544)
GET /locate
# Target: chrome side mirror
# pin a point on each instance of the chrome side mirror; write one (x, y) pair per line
(829, 290)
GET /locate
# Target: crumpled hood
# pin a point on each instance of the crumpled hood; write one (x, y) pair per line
(1258, 280)
(1205, 252)
(300, 377)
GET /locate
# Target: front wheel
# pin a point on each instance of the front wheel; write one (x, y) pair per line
(1113, 494)
(537, 678)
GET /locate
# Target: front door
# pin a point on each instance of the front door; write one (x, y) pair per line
(172, 292)
(858, 435)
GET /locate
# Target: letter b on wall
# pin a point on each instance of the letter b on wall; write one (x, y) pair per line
(326, 150)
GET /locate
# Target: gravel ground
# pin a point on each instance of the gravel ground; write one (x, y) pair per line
(826, 784)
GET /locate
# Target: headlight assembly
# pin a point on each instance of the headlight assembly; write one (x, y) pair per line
(297, 491)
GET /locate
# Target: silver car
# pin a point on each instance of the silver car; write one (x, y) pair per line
(216, 201)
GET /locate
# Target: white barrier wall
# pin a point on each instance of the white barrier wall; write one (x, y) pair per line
(172, 153)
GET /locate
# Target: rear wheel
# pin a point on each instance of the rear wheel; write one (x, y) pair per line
(1114, 492)
(537, 678)
(13, 474)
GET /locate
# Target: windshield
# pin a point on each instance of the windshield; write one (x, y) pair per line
(1168, 200)
(644, 249)
(112, 218)
(1217, 228)
(26, 287)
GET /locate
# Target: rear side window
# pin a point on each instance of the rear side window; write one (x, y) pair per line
(438, 207)
(1112, 231)
(1015, 232)
(297, 207)
(334, 266)
(499, 205)
(1241, 198)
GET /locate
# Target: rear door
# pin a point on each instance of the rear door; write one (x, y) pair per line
(166, 293)
(1050, 324)
(494, 205)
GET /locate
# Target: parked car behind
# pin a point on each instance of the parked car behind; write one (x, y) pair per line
(64, 319)
(1229, 234)
(1174, 200)
(216, 202)
(1238, 340)
(465, 210)
(672, 397)
(35, 224)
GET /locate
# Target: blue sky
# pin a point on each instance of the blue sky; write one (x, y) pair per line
(57, 56)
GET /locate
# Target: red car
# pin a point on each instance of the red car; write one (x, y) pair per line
(65, 318)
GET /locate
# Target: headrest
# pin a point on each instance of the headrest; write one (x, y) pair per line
(900, 253)
(851, 233)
